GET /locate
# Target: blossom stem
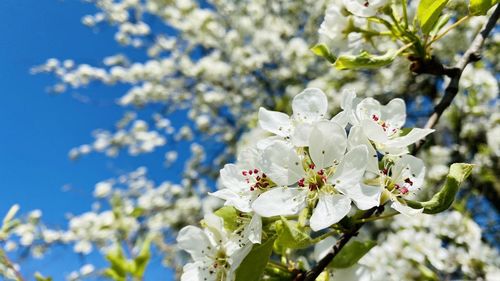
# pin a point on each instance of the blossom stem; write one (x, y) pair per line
(4, 259)
(377, 218)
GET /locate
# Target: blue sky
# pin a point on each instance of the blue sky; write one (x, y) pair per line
(38, 129)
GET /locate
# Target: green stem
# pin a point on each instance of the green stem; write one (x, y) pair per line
(323, 236)
(451, 27)
(405, 13)
(376, 218)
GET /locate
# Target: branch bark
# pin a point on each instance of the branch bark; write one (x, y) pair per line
(472, 54)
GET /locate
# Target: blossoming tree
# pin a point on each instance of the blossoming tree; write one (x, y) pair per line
(308, 194)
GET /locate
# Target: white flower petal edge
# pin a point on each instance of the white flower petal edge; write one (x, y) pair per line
(275, 122)
(280, 201)
(327, 144)
(194, 241)
(364, 8)
(331, 208)
(405, 210)
(364, 196)
(282, 164)
(310, 105)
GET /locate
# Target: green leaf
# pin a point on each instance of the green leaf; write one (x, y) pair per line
(254, 264)
(291, 235)
(230, 216)
(142, 259)
(442, 21)
(351, 253)
(442, 200)
(322, 50)
(428, 12)
(480, 7)
(119, 265)
(40, 277)
(365, 60)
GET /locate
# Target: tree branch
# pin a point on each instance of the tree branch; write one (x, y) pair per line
(472, 54)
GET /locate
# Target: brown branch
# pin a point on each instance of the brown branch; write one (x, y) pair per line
(472, 54)
(323, 263)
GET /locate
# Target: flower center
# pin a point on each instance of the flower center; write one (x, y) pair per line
(386, 126)
(256, 179)
(314, 180)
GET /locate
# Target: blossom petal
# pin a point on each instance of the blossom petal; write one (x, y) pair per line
(282, 164)
(253, 231)
(331, 209)
(394, 113)
(368, 108)
(310, 105)
(351, 169)
(327, 143)
(194, 241)
(361, 9)
(364, 196)
(349, 104)
(405, 210)
(301, 134)
(341, 118)
(412, 137)
(240, 201)
(197, 271)
(280, 201)
(275, 122)
(231, 178)
(374, 131)
(357, 137)
(411, 167)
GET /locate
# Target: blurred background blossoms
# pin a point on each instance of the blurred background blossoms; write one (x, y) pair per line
(191, 77)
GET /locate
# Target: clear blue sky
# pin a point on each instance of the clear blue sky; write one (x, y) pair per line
(37, 129)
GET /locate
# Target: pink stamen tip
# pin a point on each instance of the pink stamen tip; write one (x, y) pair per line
(312, 166)
(250, 172)
(404, 190)
(375, 117)
(255, 171)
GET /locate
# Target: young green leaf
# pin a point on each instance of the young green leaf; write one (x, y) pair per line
(442, 21)
(351, 253)
(428, 12)
(290, 235)
(365, 60)
(322, 50)
(118, 265)
(442, 200)
(230, 216)
(142, 259)
(480, 7)
(254, 264)
(40, 277)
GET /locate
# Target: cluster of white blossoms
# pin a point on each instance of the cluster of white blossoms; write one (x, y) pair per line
(453, 250)
(310, 162)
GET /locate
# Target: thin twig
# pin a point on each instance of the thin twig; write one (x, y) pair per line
(471, 55)
(6, 261)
